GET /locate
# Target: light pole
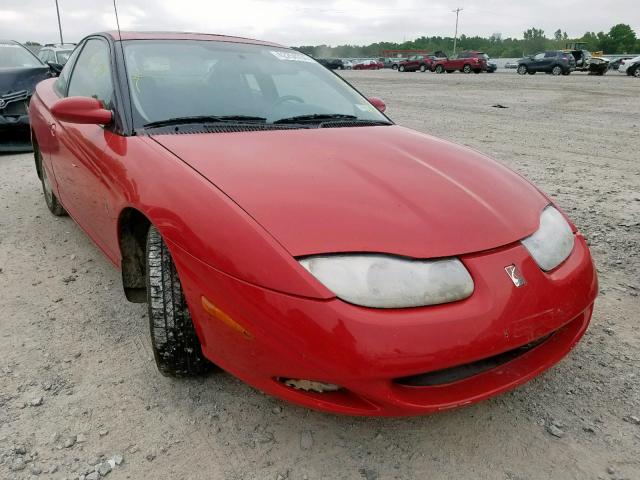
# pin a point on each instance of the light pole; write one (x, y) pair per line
(59, 24)
(455, 38)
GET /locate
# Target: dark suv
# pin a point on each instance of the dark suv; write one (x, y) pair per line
(331, 63)
(554, 62)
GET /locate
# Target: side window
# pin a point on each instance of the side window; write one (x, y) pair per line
(539, 56)
(63, 79)
(44, 56)
(91, 76)
(550, 55)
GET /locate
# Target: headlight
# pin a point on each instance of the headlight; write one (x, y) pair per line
(553, 242)
(382, 281)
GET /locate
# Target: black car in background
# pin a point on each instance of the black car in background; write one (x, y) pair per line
(20, 71)
(331, 63)
(554, 62)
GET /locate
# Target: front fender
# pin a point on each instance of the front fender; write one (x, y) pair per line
(189, 211)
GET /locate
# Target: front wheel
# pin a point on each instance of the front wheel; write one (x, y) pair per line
(466, 69)
(636, 72)
(395, 67)
(522, 69)
(176, 347)
(401, 68)
(50, 198)
(423, 68)
(439, 69)
(557, 70)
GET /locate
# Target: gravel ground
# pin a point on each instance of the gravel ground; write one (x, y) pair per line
(80, 395)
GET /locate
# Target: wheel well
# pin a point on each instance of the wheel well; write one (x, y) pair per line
(133, 226)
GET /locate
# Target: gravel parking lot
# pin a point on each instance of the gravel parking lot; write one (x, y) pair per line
(79, 388)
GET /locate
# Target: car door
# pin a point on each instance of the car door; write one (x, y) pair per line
(81, 167)
(537, 65)
(457, 62)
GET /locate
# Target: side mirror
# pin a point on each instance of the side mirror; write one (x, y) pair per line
(378, 103)
(84, 110)
(55, 67)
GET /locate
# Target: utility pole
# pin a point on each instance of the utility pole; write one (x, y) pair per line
(455, 38)
(59, 24)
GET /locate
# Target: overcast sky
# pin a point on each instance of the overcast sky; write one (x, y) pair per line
(310, 22)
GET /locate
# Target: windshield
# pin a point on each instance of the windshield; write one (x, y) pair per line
(63, 56)
(192, 78)
(16, 56)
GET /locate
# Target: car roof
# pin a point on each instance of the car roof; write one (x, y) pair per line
(132, 35)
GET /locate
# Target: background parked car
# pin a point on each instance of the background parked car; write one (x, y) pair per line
(492, 66)
(512, 64)
(368, 65)
(20, 71)
(417, 62)
(393, 62)
(555, 62)
(630, 67)
(57, 53)
(586, 61)
(467, 62)
(615, 64)
(331, 63)
(348, 64)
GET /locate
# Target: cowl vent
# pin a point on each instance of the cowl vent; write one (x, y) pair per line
(257, 127)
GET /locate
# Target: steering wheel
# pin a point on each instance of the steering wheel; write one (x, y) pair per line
(287, 98)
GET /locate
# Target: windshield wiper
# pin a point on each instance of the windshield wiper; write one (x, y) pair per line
(206, 119)
(316, 117)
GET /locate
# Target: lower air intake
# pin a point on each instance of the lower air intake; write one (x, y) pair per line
(462, 372)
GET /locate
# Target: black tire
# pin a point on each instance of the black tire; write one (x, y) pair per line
(176, 347)
(636, 72)
(477, 71)
(423, 68)
(450, 71)
(466, 68)
(439, 69)
(531, 72)
(557, 70)
(401, 68)
(394, 67)
(522, 69)
(53, 204)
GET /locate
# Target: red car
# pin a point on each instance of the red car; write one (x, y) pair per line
(417, 62)
(281, 227)
(466, 62)
(368, 65)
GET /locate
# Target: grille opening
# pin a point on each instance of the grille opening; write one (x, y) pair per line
(462, 372)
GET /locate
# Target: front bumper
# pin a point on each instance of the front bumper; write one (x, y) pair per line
(14, 133)
(368, 351)
(10, 123)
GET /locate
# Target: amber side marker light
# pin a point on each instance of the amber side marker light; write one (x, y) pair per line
(215, 312)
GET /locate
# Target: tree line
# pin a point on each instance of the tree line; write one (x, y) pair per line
(620, 39)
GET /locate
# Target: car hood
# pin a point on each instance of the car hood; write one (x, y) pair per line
(19, 79)
(366, 189)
